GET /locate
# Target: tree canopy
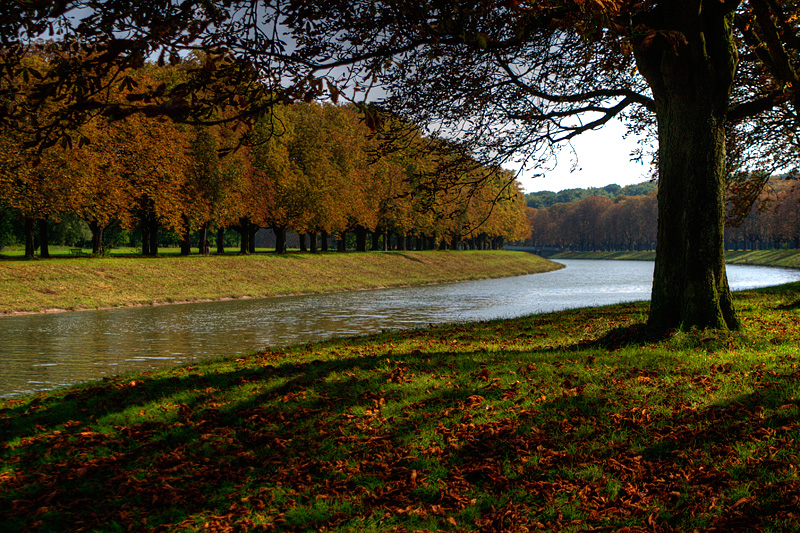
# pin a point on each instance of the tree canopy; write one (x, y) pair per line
(306, 166)
(503, 78)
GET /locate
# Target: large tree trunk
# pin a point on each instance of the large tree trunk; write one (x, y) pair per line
(691, 85)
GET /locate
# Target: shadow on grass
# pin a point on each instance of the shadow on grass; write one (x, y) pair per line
(395, 440)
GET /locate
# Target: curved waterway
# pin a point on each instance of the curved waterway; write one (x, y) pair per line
(41, 352)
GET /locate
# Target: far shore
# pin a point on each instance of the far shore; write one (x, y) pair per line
(73, 284)
(777, 258)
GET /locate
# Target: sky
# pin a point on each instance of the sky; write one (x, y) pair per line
(603, 158)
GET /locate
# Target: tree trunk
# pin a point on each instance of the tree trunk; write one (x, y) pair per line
(220, 240)
(145, 239)
(280, 239)
(324, 238)
(30, 245)
(97, 238)
(244, 235)
(691, 85)
(312, 237)
(203, 240)
(252, 229)
(154, 237)
(44, 238)
(302, 237)
(361, 239)
(376, 239)
(340, 242)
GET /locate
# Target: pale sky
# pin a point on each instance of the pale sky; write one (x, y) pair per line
(603, 159)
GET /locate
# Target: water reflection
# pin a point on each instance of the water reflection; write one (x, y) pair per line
(40, 352)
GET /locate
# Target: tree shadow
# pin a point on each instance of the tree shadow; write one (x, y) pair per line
(328, 430)
(793, 306)
(632, 335)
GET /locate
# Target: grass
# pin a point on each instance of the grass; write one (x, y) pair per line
(777, 258)
(568, 421)
(87, 283)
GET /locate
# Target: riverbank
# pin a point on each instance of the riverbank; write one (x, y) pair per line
(559, 422)
(89, 283)
(777, 258)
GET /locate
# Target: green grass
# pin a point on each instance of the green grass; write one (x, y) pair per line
(88, 283)
(569, 421)
(777, 258)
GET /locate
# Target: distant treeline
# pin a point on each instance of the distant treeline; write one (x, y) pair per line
(615, 218)
(596, 223)
(548, 198)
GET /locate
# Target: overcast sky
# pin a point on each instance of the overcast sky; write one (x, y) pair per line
(603, 159)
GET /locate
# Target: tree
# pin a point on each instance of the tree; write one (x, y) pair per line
(524, 75)
(502, 77)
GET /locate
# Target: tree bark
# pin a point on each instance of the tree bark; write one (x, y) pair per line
(203, 240)
(97, 230)
(361, 239)
(324, 239)
(691, 85)
(30, 245)
(153, 237)
(280, 239)
(376, 239)
(145, 239)
(186, 246)
(312, 237)
(220, 240)
(44, 238)
(251, 237)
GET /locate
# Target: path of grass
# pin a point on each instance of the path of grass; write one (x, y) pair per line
(86, 283)
(562, 422)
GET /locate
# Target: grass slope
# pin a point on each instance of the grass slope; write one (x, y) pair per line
(777, 258)
(85, 283)
(569, 421)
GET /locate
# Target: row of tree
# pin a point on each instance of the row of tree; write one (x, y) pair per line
(314, 168)
(612, 191)
(630, 222)
(773, 221)
(597, 223)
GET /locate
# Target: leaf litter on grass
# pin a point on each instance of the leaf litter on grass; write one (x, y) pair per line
(562, 422)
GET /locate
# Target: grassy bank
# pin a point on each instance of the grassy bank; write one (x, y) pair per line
(779, 258)
(86, 283)
(558, 422)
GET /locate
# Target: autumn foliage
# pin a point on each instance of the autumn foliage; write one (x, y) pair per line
(316, 169)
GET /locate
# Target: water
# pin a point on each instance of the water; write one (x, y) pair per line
(40, 352)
